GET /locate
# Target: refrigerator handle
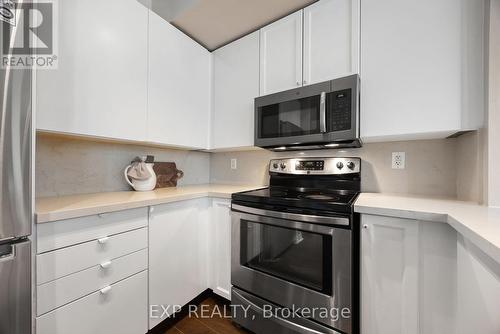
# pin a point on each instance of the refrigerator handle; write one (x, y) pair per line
(7, 253)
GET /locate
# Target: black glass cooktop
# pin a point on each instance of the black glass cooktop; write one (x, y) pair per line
(313, 199)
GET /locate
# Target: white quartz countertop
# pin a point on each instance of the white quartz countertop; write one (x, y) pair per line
(479, 224)
(65, 207)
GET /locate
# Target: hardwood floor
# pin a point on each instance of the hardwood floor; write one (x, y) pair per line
(209, 319)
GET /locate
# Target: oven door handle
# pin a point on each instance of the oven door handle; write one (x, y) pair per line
(296, 328)
(325, 220)
(322, 113)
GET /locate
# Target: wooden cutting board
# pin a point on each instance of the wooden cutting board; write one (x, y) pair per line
(167, 174)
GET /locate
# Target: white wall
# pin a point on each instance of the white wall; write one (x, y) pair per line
(494, 107)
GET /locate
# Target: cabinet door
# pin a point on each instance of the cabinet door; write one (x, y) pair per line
(179, 87)
(389, 281)
(236, 85)
(221, 247)
(420, 67)
(331, 39)
(178, 255)
(100, 85)
(281, 54)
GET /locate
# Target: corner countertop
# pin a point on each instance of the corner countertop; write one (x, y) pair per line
(479, 224)
(50, 209)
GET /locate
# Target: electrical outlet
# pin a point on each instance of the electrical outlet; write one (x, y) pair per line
(234, 164)
(398, 160)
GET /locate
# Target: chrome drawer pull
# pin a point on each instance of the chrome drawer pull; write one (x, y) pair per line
(103, 240)
(105, 265)
(105, 290)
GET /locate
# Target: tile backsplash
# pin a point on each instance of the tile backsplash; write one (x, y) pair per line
(431, 167)
(66, 166)
(444, 167)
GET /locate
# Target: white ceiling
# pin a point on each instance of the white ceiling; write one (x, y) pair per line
(214, 23)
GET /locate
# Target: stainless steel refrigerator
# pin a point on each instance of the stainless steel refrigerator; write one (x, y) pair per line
(15, 195)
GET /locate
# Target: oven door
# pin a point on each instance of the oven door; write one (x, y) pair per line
(294, 261)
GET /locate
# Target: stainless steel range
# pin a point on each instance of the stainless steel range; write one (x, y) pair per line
(295, 263)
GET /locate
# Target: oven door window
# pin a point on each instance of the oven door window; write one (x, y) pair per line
(300, 257)
(291, 118)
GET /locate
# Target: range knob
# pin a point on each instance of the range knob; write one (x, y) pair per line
(350, 165)
(275, 165)
(283, 165)
(340, 165)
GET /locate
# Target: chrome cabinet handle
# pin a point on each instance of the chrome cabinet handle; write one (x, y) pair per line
(103, 240)
(106, 290)
(105, 265)
(322, 113)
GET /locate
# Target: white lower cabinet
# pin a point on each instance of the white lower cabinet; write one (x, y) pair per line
(120, 308)
(178, 255)
(408, 276)
(91, 274)
(478, 288)
(220, 245)
(62, 291)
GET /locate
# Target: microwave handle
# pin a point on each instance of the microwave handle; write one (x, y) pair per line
(322, 113)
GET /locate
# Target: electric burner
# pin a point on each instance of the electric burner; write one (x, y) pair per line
(313, 184)
(321, 197)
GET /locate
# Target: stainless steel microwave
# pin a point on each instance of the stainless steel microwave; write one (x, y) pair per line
(323, 115)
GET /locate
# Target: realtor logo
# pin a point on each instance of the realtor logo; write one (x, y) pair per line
(8, 12)
(29, 34)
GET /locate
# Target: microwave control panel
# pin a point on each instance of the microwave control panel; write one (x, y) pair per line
(340, 117)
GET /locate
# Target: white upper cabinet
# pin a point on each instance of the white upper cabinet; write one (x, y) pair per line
(179, 87)
(421, 68)
(100, 85)
(236, 84)
(281, 54)
(331, 40)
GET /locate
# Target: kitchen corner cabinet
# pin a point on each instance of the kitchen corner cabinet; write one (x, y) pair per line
(281, 54)
(421, 68)
(331, 40)
(178, 254)
(408, 276)
(100, 85)
(236, 85)
(220, 229)
(179, 92)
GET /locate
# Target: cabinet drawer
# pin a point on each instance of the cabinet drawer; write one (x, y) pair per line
(69, 288)
(121, 309)
(62, 262)
(64, 233)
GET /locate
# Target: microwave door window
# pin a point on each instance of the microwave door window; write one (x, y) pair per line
(291, 118)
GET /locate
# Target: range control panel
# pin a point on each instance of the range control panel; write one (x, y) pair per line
(316, 166)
